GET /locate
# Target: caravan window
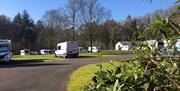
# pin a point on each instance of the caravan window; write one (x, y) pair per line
(59, 47)
(4, 48)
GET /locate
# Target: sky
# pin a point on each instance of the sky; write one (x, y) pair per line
(120, 9)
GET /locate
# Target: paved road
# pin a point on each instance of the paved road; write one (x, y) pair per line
(43, 76)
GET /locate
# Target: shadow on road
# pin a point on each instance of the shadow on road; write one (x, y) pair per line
(28, 63)
(83, 57)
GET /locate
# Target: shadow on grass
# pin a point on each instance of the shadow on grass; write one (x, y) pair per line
(28, 63)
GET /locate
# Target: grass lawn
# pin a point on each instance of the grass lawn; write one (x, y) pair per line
(88, 54)
(107, 53)
(49, 57)
(83, 75)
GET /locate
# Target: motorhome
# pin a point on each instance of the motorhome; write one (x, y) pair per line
(162, 45)
(158, 43)
(25, 52)
(67, 49)
(45, 51)
(5, 50)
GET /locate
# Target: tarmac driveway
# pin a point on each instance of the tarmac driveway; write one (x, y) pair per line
(43, 76)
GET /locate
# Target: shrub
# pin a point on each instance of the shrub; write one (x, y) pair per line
(136, 75)
(150, 71)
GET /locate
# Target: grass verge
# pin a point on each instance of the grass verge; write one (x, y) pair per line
(107, 53)
(114, 52)
(83, 75)
(88, 54)
(44, 58)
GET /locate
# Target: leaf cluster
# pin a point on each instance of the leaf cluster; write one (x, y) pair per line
(151, 70)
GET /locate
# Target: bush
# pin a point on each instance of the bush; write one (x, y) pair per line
(150, 71)
(135, 75)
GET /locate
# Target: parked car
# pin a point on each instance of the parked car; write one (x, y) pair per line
(67, 49)
(34, 53)
(82, 50)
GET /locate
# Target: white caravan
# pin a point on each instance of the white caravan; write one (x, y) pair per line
(5, 50)
(25, 52)
(94, 49)
(45, 51)
(67, 49)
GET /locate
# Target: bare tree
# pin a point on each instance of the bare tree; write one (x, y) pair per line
(54, 20)
(92, 13)
(73, 10)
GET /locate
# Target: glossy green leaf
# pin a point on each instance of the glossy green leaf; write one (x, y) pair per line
(159, 19)
(135, 76)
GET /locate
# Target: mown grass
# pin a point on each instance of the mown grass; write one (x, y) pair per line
(83, 75)
(49, 57)
(88, 54)
(107, 53)
(114, 52)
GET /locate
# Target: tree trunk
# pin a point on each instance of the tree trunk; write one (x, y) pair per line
(50, 40)
(91, 41)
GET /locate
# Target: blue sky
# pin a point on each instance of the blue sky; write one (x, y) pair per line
(120, 9)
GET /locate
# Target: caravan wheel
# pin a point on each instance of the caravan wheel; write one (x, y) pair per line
(55, 55)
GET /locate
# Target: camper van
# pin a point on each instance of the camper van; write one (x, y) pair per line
(67, 49)
(5, 50)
